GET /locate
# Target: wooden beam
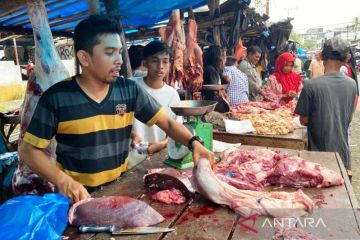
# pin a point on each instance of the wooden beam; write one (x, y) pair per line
(54, 20)
(29, 31)
(113, 9)
(9, 37)
(67, 21)
(94, 7)
(16, 53)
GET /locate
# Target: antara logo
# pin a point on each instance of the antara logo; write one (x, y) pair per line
(282, 222)
(295, 222)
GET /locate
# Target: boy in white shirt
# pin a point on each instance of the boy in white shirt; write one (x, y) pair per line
(156, 58)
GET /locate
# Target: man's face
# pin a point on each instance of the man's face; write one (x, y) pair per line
(254, 57)
(157, 66)
(105, 61)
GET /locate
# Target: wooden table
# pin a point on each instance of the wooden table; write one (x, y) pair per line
(12, 120)
(201, 219)
(295, 140)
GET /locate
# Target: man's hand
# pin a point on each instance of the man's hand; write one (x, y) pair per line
(292, 94)
(72, 189)
(135, 139)
(155, 147)
(199, 151)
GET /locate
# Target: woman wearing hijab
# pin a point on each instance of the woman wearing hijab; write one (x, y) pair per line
(288, 83)
(214, 63)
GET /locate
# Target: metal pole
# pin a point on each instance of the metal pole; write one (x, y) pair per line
(16, 53)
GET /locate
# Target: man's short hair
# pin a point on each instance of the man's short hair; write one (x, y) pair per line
(254, 49)
(136, 55)
(335, 49)
(155, 47)
(88, 31)
(231, 61)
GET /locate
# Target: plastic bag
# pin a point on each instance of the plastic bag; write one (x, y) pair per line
(34, 217)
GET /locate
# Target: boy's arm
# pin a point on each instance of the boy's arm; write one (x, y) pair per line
(41, 164)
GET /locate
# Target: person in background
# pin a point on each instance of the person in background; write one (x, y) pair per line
(326, 104)
(316, 67)
(156, 58)
(248, 66)
(91, 116)
(214, 63)
(238, 88)
(307, 66)
(348, 69)
(262, 69)
(136, 56)
(289, 82)
(297, 62)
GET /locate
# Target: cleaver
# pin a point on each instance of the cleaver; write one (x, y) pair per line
(124, 231)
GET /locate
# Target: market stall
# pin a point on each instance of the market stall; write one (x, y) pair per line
(199, 218)
(296, 140)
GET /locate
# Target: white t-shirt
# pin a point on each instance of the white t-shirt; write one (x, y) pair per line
(165, 96)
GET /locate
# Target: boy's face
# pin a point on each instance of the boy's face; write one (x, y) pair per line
(157, 66)
(105, 61)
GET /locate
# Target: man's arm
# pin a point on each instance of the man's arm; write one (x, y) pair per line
(40, 163)
(180, 134)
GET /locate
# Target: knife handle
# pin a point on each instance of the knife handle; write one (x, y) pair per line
(86, 229)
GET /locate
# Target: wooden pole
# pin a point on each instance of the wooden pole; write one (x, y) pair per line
(16, 53)
(94, 7)
(267, 7)
(213, 6)
(113, 9)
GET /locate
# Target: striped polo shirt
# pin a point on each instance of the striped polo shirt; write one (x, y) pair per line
(92, 138)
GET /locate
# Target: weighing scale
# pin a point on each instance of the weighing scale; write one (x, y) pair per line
(180, 156)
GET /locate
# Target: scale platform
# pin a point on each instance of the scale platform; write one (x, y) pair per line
(180, 156)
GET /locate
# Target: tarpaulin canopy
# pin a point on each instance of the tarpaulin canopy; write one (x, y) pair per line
(64, 15)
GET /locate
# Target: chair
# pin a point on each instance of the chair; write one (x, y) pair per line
(12, 119)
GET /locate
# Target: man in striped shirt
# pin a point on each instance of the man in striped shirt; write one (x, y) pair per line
(238, 88)
(91, 116)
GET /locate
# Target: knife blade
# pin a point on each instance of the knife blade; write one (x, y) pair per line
(125, 231)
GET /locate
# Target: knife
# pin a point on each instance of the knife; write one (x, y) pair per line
(125, 231)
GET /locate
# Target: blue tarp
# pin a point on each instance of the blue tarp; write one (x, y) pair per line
(133, 12)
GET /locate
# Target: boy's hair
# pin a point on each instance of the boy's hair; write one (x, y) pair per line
(155, 47)
(335, 49)
(87, 32)
(231, 61)
(136, 55)
(254, 49)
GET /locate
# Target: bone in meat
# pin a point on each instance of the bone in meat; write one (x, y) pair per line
(246, 202)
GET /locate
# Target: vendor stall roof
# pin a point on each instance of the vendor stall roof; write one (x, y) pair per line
(65, 14)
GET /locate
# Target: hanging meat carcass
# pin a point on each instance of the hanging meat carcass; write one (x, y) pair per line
(193, 61)
(48, 70)
(173, 36)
